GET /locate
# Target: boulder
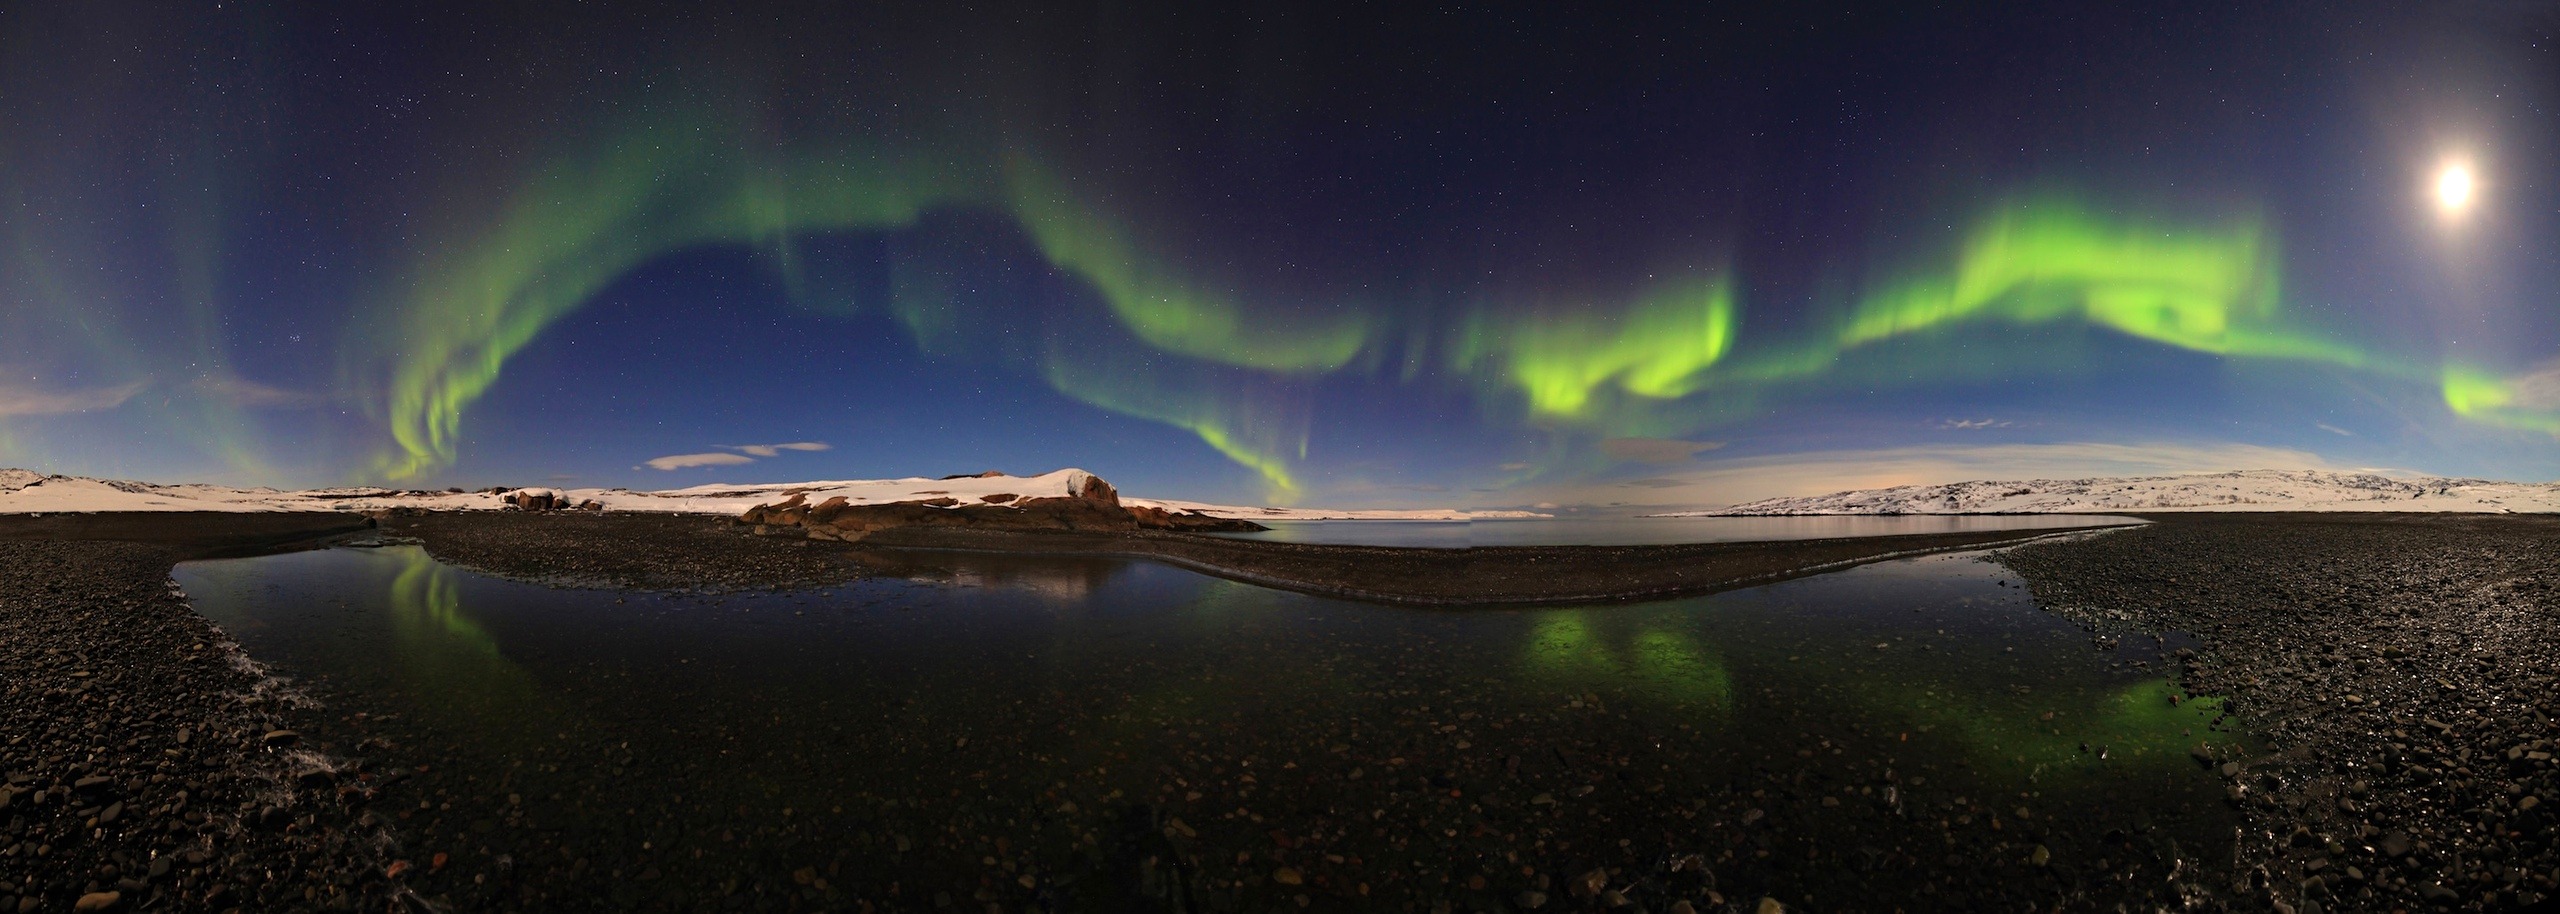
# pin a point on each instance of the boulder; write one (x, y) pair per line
(826, 511)
(1160, 519)
(537, 500)
(761, 514)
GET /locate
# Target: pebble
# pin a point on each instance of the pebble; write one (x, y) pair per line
(95, 797)
(2391, 677)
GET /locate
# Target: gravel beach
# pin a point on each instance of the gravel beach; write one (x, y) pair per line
(636, 551)
(148, 764)
(2404, 671)
(2397, 674)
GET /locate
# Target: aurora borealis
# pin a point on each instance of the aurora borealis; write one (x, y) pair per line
(1349, 256)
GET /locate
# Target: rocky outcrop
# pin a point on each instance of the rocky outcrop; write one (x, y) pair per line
(1092, 507)
(547, 500)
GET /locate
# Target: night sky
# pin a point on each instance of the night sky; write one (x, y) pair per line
(1385, 255)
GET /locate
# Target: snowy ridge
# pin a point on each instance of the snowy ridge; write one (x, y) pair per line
(1407, 514)
(26, 491)
(2246, 490)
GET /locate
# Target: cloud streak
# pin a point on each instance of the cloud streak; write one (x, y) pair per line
(746, 453)
(28, 401)
(1656, 450)
(684, 461)
(771, 450)
(239, 391)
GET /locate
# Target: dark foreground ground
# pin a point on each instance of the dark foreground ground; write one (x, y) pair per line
(147, 764)
(2403, 670)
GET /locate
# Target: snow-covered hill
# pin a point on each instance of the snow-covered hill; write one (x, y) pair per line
(26, 491)
(2248, 490)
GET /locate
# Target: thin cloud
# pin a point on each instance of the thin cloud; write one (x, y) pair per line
(2537, 389)
(1974, 423)
(1656, 450)
(240, 391)
(28, 401)
(682, 461)
(2334, 430)
(1657, 482)
(771, 450)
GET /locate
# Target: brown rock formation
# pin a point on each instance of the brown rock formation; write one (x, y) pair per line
(1095, 507)
(536, 500)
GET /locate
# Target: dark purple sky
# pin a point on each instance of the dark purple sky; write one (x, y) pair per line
(1382, 254)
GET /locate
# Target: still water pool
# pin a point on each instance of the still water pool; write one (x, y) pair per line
(1653, 531)
(1013, 733)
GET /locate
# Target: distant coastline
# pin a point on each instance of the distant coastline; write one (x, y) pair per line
(2231, 492)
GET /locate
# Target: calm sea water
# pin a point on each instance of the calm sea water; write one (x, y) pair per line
(1646, 531)
(1031, 733)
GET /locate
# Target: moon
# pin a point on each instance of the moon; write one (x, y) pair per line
(2455, 188)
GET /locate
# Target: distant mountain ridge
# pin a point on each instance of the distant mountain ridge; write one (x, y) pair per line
(2245, 490)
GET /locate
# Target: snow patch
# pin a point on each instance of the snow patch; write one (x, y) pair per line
(2246, 490)
(24, 491)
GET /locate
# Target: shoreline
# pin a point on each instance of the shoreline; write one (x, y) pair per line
(1482, 576)
(149, 762)
(711, 552)
(2398, 667)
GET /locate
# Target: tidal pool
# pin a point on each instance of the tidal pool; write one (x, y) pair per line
(1653, 531)
(1012, 733)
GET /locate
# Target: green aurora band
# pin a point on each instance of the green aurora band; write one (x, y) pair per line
(1670, 360)
(2482, 396)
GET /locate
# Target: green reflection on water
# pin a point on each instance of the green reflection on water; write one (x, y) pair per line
(2135, 724)
(2033, 734)
(450, 664)
(1566, 649)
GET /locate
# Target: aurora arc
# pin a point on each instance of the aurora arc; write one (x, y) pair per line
(571, 229)
(1233, 372)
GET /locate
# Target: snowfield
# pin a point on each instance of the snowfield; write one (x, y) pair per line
(30, 492)
(2247, 490)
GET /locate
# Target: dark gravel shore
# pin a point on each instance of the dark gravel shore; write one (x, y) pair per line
(638, 551)
(2400, 673)
(698, 552)
(1481, 576)
(148, 764)
(2404, 671)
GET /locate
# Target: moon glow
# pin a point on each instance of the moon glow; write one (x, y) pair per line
(2454, 189)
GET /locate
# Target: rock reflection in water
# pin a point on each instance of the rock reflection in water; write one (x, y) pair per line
(1058, 578)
